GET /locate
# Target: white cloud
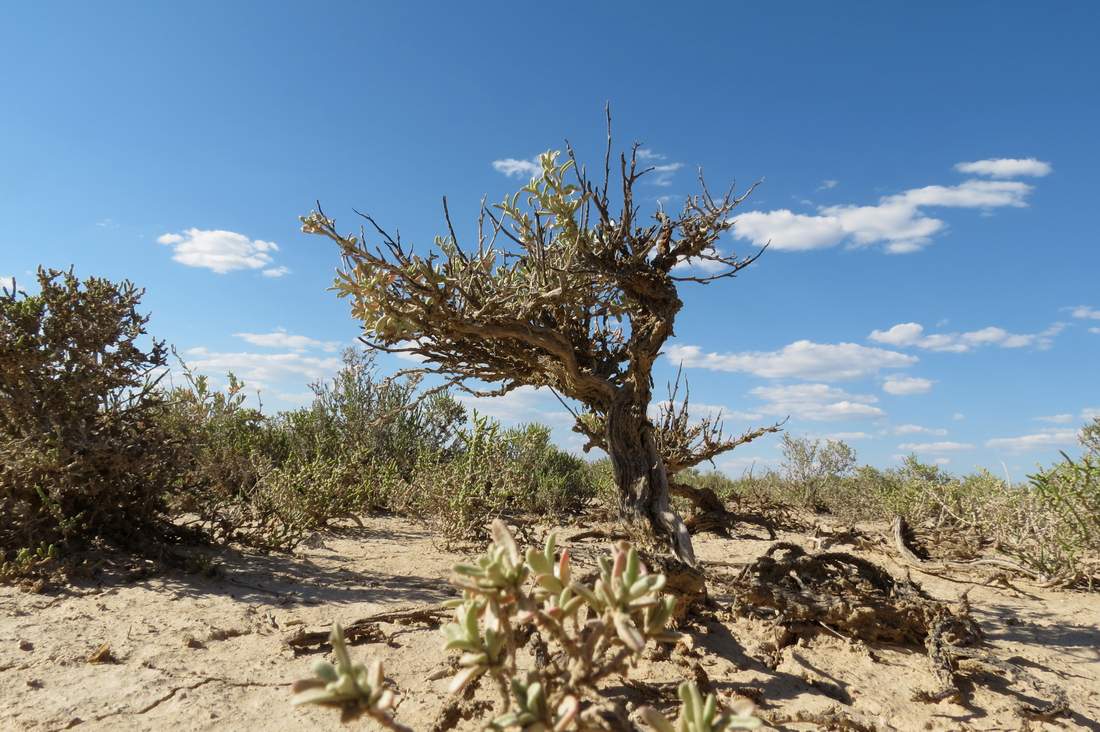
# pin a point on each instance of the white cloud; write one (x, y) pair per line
(1094, 330)
(1056, 418)
(281, 339)
(6, 283)
(1006, 167)
(220, 251)
(661, 175)
(523, 404)
(276, 271)
(898, 223)
(261, 370)
(958, 416)
(1045, 438)
(942, 461)
(828, 184)
(514, 168)
(916, 429)
(743, 464)
(945, 446)
(645, 153)
(1087, 312)
(815, 402)
(801, 359)
(912, 334)
(847, 436)
(906, 385)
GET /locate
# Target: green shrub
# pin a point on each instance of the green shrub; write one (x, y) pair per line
(84, 456)
(815, 466)
(268, 482)
(494, 472)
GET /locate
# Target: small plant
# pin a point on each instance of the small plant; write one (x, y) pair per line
(586, 633)
(698, 714)
(581, 634)
(354, 687)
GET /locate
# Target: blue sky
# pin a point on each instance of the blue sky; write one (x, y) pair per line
(933, 284)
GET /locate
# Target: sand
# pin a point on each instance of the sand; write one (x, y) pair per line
(190, 651)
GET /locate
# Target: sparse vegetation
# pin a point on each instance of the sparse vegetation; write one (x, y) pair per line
(581, 635)
(84, 456)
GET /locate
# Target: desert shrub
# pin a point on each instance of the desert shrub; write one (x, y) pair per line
(495, 472)
(373, 417)
(269, 481)
(584, 634)
(1090, 436)
(83, 454)
(815, 466)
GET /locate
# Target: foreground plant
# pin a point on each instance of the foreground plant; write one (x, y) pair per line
(698, 714)
(578, 634)
(581, 634)
(355, 687)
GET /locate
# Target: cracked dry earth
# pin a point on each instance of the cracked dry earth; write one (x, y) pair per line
(189, 652)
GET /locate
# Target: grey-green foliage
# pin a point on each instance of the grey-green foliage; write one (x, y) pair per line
(268, 481)
(698, 714)
(83, 457)
(815, 465)
(494, 472)
(354, 687)
(592, 631)
(1090, 436)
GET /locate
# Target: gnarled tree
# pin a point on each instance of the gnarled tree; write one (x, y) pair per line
(564, 292)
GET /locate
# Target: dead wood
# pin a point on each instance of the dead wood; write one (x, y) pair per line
(366, 630)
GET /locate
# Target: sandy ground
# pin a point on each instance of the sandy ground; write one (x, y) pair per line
(191, 652)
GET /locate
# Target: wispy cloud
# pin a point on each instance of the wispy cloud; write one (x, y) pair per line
(815, 402)
(514, 168)
(1057, 419)
(7, 282)
(525, 404)
(916, 429)
(1086, 312)
(661, 175)
(828, 184)
(898, 223)
(906, 385)
(913, 335)
(279, 338)
(1045, 438)
(276, 271)
(262, 370)
(1006, 167)
(801, 359)
(220, 251)
(931, 447)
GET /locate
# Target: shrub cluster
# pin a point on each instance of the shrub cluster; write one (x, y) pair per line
(85, 454)
(94, 449)
(1049, 524)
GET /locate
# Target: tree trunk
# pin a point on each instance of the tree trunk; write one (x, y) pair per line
(641, 477)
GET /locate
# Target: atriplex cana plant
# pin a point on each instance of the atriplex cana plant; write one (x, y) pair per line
(581, 635)
(561, 291)
(356, 688)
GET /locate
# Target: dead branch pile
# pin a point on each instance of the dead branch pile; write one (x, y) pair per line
(855, 598)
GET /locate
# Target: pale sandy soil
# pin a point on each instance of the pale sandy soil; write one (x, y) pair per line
(210, 654)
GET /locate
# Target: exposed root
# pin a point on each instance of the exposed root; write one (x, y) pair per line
(854, 598)
(711, 513)
(366, 630)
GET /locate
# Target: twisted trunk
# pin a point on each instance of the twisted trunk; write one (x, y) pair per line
(641, 478)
